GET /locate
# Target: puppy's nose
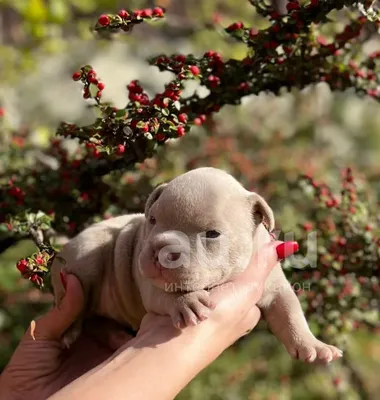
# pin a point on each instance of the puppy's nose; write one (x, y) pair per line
(173, 256)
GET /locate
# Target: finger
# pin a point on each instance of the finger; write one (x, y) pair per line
(53, 324)
(107, 333)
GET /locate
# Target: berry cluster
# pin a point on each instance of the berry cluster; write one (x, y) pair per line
(88, 76)
(35, 268)
(344, 287)
(126, 20)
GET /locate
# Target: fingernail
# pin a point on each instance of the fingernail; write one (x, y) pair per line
(286, 249)
(63, 279)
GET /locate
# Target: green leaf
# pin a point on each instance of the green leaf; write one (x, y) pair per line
(120, 113)
(165, 112)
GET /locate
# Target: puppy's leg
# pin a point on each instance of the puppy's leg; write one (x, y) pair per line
(283, 313)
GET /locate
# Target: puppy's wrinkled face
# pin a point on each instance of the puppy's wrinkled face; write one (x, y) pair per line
(199, 230)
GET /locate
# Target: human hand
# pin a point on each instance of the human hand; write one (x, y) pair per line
(40, 367)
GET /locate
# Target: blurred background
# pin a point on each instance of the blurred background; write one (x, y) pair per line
(266, 142)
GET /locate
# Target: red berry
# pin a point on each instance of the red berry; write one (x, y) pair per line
(22, 266)
(146, 13)
(123, 14)
(39, 260)
(99, 94)
(86, 93)
(91, 76)
(160, 137)
(182, 118)
(76, 76)
(194, 70)
(101, 86)
(96, 153)
(158, 12)
(271, 44)
(197, 121)
(120, 149)
(235, 26)
(209, 54)
(84, 196)
(314, 3)
(342, 241)
(180, 58)
(307, 226)
(36, 279)
(337, 381)
(214, 80)
(244, 86)
(135, 87)
(104, 20)
(275, 15)
(180, 131)
(92, 79)
(293, 5)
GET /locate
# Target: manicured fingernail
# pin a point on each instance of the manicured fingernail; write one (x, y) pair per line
(63, 279)
(286, 249)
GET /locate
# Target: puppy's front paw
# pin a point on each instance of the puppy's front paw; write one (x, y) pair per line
(314, 351)
(191, 308)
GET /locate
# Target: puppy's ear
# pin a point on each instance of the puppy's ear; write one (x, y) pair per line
(261, 211)
(154, 197)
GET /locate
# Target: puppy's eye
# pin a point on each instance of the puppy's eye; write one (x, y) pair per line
(212, 234)
(152, 220)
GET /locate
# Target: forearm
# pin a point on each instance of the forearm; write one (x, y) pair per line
(157, 364)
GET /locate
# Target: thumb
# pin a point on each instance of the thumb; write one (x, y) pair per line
(56, 321)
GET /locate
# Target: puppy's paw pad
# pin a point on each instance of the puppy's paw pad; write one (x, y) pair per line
(191, 308)
(316, 351)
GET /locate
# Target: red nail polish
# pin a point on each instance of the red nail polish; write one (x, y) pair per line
(63, 279)
(286, 249)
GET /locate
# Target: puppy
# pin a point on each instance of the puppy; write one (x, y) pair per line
(199, 231)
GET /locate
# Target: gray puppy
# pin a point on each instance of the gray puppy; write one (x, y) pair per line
(199, 231)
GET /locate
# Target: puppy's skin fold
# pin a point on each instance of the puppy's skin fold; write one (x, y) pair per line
(198, 231)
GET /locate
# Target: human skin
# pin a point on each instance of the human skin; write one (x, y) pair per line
(160, 354)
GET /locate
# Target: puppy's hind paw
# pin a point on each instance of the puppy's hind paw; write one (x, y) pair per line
(191, 308)
(315, 351)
